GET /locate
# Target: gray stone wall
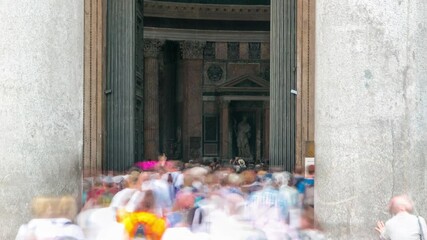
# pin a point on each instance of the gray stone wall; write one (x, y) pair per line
(371, 111)
(41, 104)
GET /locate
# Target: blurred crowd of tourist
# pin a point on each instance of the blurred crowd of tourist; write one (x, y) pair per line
(170, 200)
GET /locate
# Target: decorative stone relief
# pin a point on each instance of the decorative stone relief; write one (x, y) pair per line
(152, 47)
(215, 73)
(255, 51)
(209, 52)
(233, 50)
(192, 49)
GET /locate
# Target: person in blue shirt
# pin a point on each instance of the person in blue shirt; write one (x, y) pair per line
(305, 187)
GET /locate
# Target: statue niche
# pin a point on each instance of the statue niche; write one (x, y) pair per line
(243, 136)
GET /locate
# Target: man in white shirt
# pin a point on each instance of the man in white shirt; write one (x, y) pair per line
(403, 224)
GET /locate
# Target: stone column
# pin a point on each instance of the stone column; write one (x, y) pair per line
(224, 114)
(370, 110)
(151, 98)
(282, 81)
(266, 131)
(41, 105)
(191, 73)
(94, 80)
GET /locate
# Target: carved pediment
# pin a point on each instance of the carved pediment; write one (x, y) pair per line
(245, 83)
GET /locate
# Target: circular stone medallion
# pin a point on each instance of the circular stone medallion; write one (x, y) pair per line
(214, 73)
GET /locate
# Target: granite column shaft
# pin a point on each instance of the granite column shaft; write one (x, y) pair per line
(370, 112)
(41, 105)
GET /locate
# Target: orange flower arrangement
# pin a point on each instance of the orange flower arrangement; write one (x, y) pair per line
(154, 227)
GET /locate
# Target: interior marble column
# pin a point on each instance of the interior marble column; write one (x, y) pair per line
(282, 81)
(152, 48)
(224, 133)
(371, 112)
(190, 72)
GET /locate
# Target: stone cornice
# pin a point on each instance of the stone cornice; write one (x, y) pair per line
(192, 49)
(206, 35)
(152, 47)
(206, 11)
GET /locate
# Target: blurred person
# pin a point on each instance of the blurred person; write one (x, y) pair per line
(181, 220)
(285, 188)
(231, 185)
(143, 222)
(162, 194)
(268, 209)
(174, 178)
(305, 187)
(101, 193)
(308, 228)
(121, 198)
(250, 182)
(297, 175)
(184, 202)
(100, 222)
(404, 224)
(162, 159)
(86, 188)
(109, 189)
(52, 220)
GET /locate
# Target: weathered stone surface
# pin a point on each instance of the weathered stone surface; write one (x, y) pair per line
(244, 50)
(371, 111)
(235, 70)
(190, 73)
(221, 50)
(41, 104)
(265, 51)
(152, 48)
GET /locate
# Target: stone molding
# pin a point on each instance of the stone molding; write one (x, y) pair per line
(152, 47)
(206, 11)
(174, 34)
(224, 104)
(192, 49)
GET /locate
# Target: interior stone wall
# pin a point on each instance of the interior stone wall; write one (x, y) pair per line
(41, 104)
(224, 61)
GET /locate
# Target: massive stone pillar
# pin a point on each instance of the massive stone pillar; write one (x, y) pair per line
(151, 98)
(282, 82)
(124, 86)
(371, 111)
(41, 105)
(190, 72)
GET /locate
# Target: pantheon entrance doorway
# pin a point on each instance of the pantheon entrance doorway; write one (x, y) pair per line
(182, 81)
